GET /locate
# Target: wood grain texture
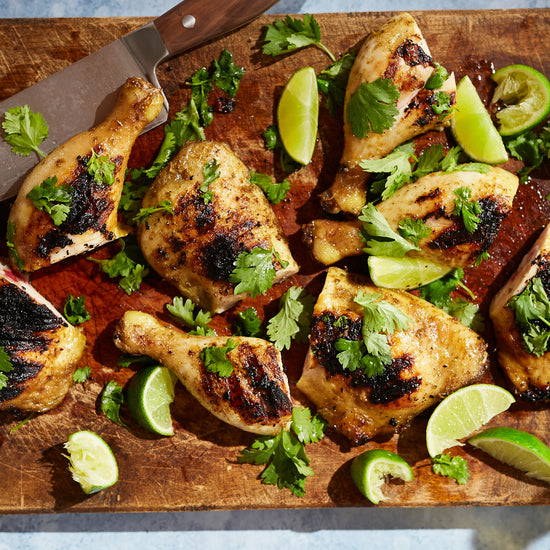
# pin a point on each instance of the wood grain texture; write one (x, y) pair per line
(197, 468)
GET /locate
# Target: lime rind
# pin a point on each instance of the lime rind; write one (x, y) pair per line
(462, 413)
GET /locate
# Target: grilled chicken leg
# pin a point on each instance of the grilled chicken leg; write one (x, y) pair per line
(398, 51)
(196, 246)
(528, 372)
(254, 398)
(432, 199)
(42, 347)
(92, 218)
(435, 356)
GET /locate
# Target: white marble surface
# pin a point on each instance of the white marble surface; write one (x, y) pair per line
(498, 528)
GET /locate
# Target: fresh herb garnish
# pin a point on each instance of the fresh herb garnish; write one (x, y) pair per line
(227, 75)
(101, 168)
(81, 374)
(287, 464)
(215, 358)
(454, 467)
(112, 399)
(293, 319)
(144, 213)
(75, 310)
(273, 141)
(211, 172)
(54, 199)
(467, 209)
(275, 192)
(12, 251)
(5, 367)
(247, 323)
(24, 130)
(254, 271)
(442, 105)
(372, 107)
(438, 77)
(334, 79)
(289, 34)
(531, 149)
(187, 314)
(414, 229)
(532, 316)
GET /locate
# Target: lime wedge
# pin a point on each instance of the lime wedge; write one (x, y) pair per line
(462, 413)
(406, 273)
(473, 128)
(369, 471)
(519, 449)
(91, 461)
(148, 396)
(525, 94)
(298, 115)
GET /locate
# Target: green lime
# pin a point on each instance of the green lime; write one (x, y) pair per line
(369, 471)
(148, 396)
(91, 461)
(473, 128)
(298, 115)
(519, 449)
(389, 272)
(462, 413)
(525, 94)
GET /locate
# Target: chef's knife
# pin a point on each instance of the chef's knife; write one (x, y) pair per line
(77, 97)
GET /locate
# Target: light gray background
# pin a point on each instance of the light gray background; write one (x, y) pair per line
(499, 528)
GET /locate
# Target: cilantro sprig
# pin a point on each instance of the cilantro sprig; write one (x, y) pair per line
(334, 79)
(248, 323)
(144, 213)
(12, 250)
(290, 34)
(530, 148)
(293, 319)
(211, 172)
(5, 367)
(81, 374)
(112, 398)
(54, 199)
(454, 467)
(215, 358)
(75, 311)
(24, 130)
(190, 316)
(467, 209)
(275, 192)
(101, 168)
(287, 465)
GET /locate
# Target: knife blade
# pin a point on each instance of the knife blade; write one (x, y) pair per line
(79, 96)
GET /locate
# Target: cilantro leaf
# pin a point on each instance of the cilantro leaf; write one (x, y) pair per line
(254, 271)
(334, 79)
(75, 310)
(275, 192)
(372, 107)
(211, 172)
(101, 168)
(247, 323)
(438, 77)
(531, 149)
(442, 105)
(467, 209)
(144, 213)
(5, 367)
(379, 315)
(379, 237)
(215, 358)
(308, 429)
(289, 34)
(293, 319)
(456, 467)
(227, 75)
(112, 399)
(54, 199)
(201, 86)
(81, 374)
(414, 229)
(12, 250)
(184, 312)
(24, 130)
(350, 353)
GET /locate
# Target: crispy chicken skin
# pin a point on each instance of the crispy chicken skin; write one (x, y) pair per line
(195, 248)
(435, 356)
(432, 199)
(255, 397)
(398, 51)
(43, 348)
(92, 219)
(529, 374)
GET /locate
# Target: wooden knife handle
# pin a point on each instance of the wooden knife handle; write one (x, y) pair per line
(194, 22)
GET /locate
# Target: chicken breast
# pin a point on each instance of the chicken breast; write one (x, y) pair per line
(529, 372)
(195, 247)
(43, 348)
(431, 199)
(396, 51)
(254, 398)
(91, 219)
(434, 357)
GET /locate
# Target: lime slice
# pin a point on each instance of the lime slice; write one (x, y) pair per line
(473, 128)
(369, 471)
(298, 114)
(92, 463)
(519, 449)
(525, 94)
(462, 413)
(148, 396)
(388, 272)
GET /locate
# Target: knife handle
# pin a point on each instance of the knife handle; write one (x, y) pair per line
(194, 22)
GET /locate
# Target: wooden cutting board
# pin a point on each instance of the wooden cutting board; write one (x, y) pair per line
(196, 469)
